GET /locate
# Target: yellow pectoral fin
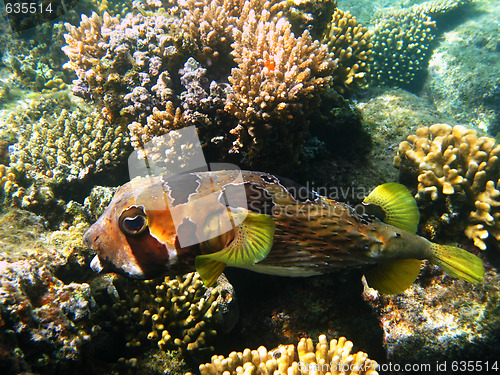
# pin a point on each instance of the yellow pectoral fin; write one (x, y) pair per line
(209, 269)
(252, 242)
(393, 277)
(398, 204)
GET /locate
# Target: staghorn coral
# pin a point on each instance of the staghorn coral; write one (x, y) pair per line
(138, 68)
(333, 357)
(209, 26)
(179, 313)
(402, 41)
(456, 168)
(350, 44)
(276, 77)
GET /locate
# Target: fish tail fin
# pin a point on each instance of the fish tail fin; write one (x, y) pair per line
(457, 262)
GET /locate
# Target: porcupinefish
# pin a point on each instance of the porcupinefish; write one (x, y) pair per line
(284, 230)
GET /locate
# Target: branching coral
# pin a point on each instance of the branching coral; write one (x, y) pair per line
(178, 313)
(86, 45)
(209, 25)
(277, 74)
(350, 44)
(402, 41)
(137, 69)
(56, 139)
(455, 166)
(120, 63)
(334, 357)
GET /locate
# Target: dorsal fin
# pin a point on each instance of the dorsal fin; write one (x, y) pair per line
(398, 204)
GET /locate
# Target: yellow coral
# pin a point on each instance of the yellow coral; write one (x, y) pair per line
(453, 162)
(178, 313)
(326, 358)
(402, 40)
(351, 46)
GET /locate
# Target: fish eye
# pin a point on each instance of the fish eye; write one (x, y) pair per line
(133, 221)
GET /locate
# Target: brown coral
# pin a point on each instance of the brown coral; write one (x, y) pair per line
(334, 357)
(209, 25)
(277, 79)
(86, 44)
(455, 164)
(178, 313)
(277, 74)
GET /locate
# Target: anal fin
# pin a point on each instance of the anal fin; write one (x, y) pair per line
(393, 277)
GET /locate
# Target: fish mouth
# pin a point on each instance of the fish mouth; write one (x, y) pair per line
(101, 265)
(97, 265)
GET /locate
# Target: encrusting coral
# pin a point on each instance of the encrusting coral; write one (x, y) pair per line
(402, 41)
(326, 358)
(456, 168)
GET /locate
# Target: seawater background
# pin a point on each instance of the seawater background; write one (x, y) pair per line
(53, 318)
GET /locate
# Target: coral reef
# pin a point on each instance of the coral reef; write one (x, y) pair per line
(276, 77)
(402, 41)
(55, 316)
(53, 140)
(46, 323)
(351, 47)
(401, 44)
(209, 26)
(138, 68)
(174, 314)
(439, 318)
(305, 359)
(458, 172)
(36, 64)
(55, 312)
